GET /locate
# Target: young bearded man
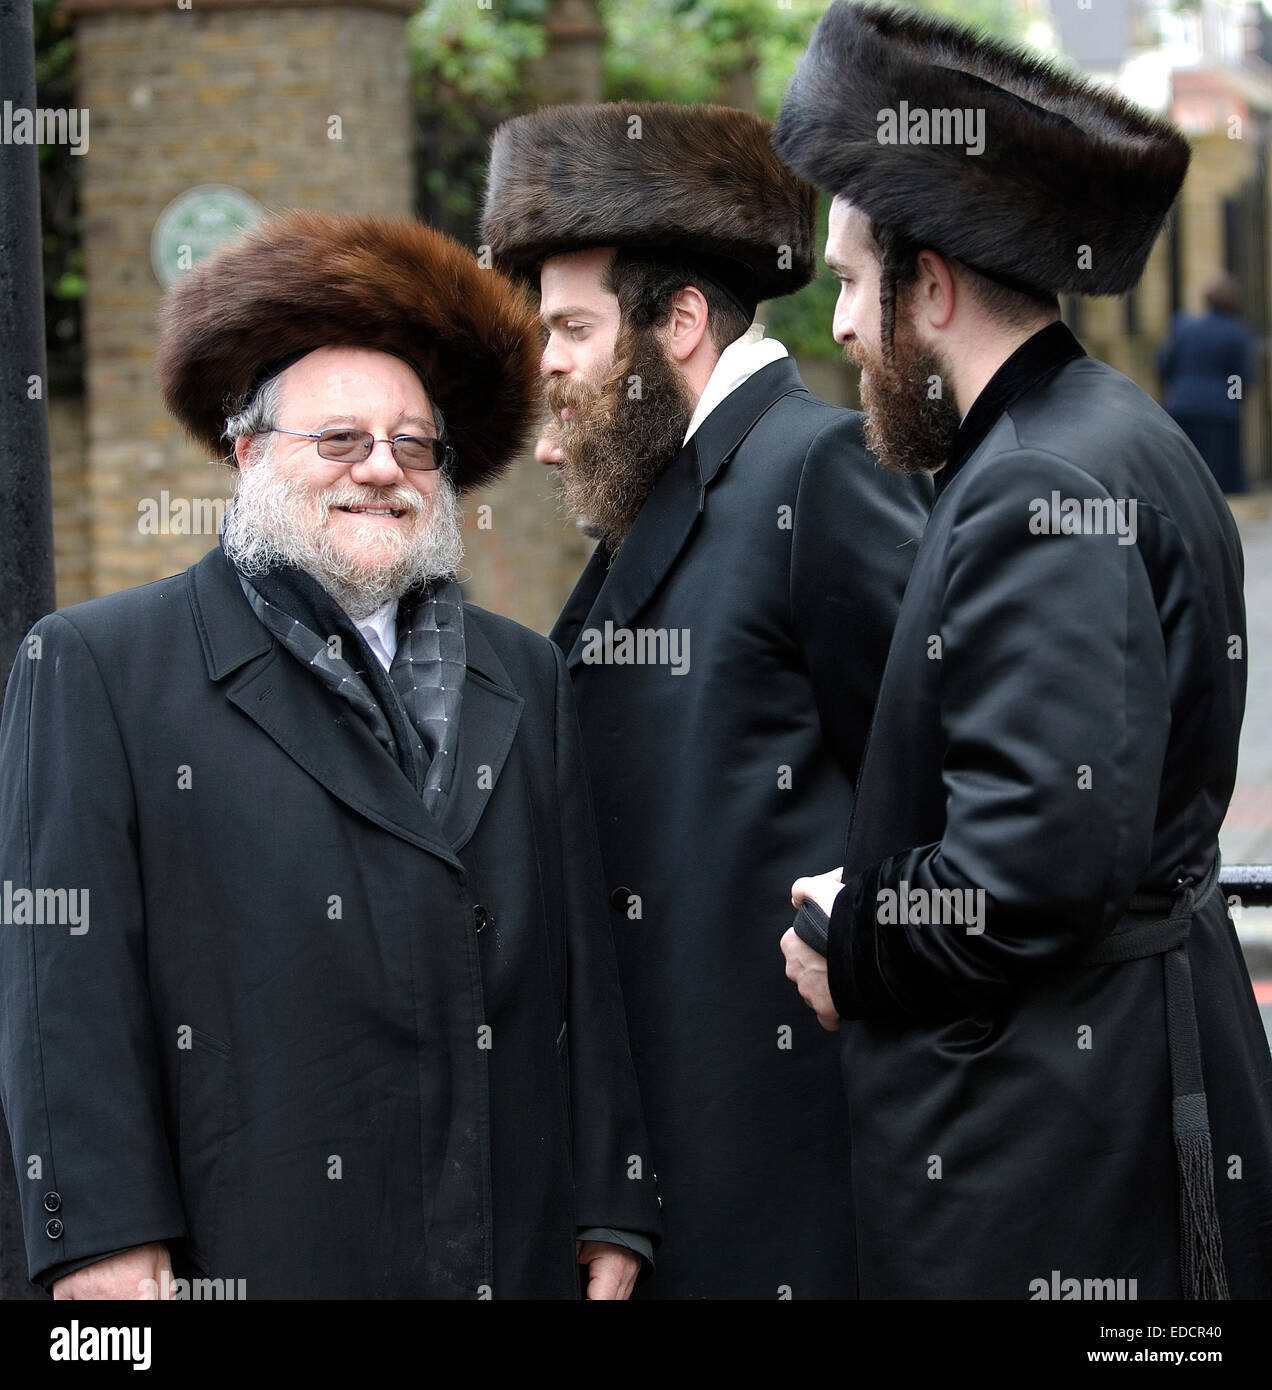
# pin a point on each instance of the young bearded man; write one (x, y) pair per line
(1056, 1074)
(726, 641)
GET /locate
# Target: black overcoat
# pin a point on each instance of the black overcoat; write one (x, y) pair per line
(315, 1038)
(1057, 727)
(780, 547)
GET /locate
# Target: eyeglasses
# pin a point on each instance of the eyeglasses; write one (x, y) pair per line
(353, 446)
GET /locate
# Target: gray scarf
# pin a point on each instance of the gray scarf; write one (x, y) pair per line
(413, 710)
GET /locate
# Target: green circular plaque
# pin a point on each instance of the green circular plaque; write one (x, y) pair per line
(195, 223)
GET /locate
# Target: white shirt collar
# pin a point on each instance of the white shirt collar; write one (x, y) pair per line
(380, 630)
(740, 360)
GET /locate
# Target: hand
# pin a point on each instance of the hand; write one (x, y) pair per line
(805, 968)
(822, 888)
(612, 1269)
(136, 1274)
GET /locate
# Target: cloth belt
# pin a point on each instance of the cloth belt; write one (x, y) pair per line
(1154, 925)
(1158, 925)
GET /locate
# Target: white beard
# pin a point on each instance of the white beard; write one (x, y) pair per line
(275, 520)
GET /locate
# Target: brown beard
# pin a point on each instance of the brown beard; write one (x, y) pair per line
(909, 430)
(624, 432)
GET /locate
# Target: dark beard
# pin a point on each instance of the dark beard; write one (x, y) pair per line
(909, 432)
(617, 444)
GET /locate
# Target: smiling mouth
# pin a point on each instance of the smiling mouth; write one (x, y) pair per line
(372, 511)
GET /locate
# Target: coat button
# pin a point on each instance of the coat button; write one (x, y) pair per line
(53, 1229)
(480, 916)
(52, 1201)
(619, 897)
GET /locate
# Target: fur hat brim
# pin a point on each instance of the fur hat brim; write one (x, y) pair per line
(304, 280)
(650, 175)
(1068, 193)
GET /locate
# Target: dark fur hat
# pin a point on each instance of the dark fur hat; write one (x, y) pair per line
(649, 174)
(305, 280)
(1066, 164)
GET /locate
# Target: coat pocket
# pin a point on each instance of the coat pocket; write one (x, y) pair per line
(202, 1127)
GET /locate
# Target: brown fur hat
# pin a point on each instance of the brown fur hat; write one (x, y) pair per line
(1065, 164)
(649, 174)
(304, 280)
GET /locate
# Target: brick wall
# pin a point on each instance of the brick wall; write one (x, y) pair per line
(220, 93)
(72, 556)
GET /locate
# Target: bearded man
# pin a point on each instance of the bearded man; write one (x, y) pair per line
(1056, 1075)
(345, 1021)
(726, 640)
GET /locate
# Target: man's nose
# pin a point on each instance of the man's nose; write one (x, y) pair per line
(555, 361)
(841, 324)
(547, 450)
(379, 468)
(840, 331)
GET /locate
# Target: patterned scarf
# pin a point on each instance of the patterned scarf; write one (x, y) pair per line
(413, 708)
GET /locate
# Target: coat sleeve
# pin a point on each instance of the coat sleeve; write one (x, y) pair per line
(854, 537)
(79, 1072)
(614, 1179)
(1054, 715)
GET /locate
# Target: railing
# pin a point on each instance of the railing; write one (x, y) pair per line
(1252, 883)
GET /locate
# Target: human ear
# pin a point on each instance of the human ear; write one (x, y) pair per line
(687, 323)
(934, 292)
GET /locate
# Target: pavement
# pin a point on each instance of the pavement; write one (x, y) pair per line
(1246, 836)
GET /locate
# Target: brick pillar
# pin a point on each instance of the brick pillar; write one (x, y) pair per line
(296, 104)
(570, 68)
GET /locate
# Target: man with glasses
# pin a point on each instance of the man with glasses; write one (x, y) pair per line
(336, 1015)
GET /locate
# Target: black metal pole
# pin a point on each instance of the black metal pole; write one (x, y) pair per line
(26, 508)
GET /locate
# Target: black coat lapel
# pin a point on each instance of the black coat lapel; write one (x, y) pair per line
(488, 723)
(656, 538)
(332, 744)
(572, 617)
(667, 519)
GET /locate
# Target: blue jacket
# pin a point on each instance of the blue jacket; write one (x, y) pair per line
(1196, 362)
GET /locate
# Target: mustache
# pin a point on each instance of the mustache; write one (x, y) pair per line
(400, 497)
(561, 394)
(594, 398)
(855, 355)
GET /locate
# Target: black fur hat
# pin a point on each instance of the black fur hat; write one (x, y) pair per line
(691, 179)
(303, 280)
(1070, 187)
